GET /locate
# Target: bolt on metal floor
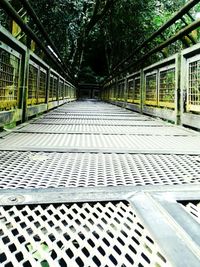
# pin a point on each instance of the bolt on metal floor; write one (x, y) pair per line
(92, 184)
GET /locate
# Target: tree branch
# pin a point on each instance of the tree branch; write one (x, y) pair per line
(98, 16)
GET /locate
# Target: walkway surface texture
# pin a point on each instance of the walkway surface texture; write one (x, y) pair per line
(129, 212)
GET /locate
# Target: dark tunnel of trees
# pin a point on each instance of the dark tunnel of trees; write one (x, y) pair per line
(93, 36)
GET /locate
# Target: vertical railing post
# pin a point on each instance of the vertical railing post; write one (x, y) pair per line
(58, 91)
(125, 91)
(48, 86)
(116, 89)
(38, 85)
(178, 94)
(157, 87)
(24, 84)
(142, 90)
(183, 87)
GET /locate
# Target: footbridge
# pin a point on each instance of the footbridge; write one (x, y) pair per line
(109, 180)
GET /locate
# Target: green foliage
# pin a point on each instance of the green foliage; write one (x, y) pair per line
(93, 36)
(4, 20)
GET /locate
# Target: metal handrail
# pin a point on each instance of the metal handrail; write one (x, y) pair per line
(12, 13)
(184, 10)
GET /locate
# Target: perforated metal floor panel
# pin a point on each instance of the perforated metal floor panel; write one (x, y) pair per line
(94, 113)
(91, 184)
(43, 170)
(99, 122)
(105, 129)
(88, 234)
(193, 208)
(101, 118)
(101, 143)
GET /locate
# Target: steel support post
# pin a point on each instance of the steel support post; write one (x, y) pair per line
(142, 90)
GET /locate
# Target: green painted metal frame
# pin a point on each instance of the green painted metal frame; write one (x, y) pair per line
(180, 114)
(23, 112)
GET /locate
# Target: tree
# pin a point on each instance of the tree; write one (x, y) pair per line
(96, 35)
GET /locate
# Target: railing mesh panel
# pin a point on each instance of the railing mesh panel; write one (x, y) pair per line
(151, 88)
(9, 80)
(32, 85)
(167, 87)
(194, 86)
(42, 86)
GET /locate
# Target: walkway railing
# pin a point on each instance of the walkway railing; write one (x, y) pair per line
(28, 85)
(169, 89)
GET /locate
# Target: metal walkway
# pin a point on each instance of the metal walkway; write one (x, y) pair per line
(92, 184)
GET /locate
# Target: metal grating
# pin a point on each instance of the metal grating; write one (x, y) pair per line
(137, 90)
(44, 170)
(85, 117)
(130, 90)
(42, 86)
(193, 208)
(61, 89)
(105, 129)
(53, 88)
(167, 87)
(87, 234)
(100, 122)
(101, 143)
(193, 97)
(96, 114)
(97, 110)
(32, 85)
(151, 88)
(9, 80)
(36, 84)
(120, 179)
(89, 106)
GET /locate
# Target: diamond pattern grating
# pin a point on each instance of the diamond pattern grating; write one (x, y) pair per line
(87, 234)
